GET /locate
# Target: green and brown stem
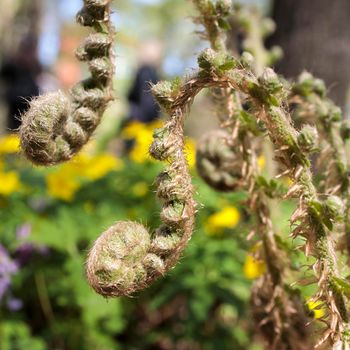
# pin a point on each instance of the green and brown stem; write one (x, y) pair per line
(279, 312)
(312, 105)
(227, 160)
(255, 28)
(214, 19)
(267, 96)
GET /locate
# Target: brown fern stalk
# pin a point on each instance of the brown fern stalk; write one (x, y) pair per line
(310, 104)
(226, 160)
(267, 95)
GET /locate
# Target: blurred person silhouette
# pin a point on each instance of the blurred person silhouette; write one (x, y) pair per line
(142, 106)
(18, 75)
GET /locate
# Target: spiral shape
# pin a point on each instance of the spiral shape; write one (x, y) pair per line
(118, 261)
(127, 258)
(56, 126)
(219, 163)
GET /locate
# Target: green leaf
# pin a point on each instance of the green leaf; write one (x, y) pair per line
(229, 64)
(273, 100)
(316, 206)
(328, 223)
(343, 285)
(250, 122)
(224, 24)
(262, 181)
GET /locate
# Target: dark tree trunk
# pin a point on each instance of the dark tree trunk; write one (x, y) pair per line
(315, 35)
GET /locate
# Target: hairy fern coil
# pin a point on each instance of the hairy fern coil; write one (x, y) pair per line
(57, 125)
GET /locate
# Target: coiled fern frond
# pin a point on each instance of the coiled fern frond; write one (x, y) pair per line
(57, 125)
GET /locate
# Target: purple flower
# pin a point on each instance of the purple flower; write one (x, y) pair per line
(25, 252)
(5, 283)
(14, 304)
(24, 231)
(7, 268)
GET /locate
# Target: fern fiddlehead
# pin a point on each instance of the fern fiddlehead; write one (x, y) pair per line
(267, 95)
(56, 126)
(127, 258)
(218, 162)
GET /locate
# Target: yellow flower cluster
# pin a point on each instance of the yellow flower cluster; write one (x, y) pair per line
(65, 181)
(254, 267)
(61, 185)
(190, 149)
(140, 189)
(9, 144)
(261, 163)
(9, 180)
(9, 183)
(228, 217)
(94, 167)
(317, 308)
(143, 136)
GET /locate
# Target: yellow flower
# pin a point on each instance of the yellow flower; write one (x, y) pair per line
(190, 149)
(9, 183)
(261, 163)
(81, 159)
(287, 181)
(62, 185)
(136, 129)
(143, 136)
(317, 308)
(140, 151)
(140, 189)
(228, 217)
(132, 130)
(156, 124)
(9, 144)
(100, 165)
(92, 167)
(253, 268)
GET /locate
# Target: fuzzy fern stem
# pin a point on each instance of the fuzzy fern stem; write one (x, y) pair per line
(267, 97)
(127, 257)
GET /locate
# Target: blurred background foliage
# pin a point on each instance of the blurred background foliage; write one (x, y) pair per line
(50, 217)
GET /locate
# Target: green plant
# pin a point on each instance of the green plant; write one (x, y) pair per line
(47, 233)
(253, 102)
